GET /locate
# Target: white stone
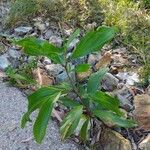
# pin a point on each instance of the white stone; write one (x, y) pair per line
(130, 77)
(4, 62)
(145, 144)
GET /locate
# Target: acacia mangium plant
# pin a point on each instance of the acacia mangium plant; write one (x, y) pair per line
(91, 103)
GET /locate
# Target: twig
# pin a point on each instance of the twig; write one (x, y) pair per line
(55, 113)
(71, 82)
(27, 140)
(39, 76)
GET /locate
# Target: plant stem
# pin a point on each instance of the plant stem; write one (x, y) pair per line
(71, 82)
(75, 90)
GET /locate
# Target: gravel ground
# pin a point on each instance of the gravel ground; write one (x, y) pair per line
(12, 137)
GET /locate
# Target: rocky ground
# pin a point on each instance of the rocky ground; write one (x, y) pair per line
(121, 81)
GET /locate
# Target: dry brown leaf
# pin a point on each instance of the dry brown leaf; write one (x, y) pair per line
(57, 115)
(42, 77)
(142, 110)
(105, 60)
(83, 75)
(119, 59)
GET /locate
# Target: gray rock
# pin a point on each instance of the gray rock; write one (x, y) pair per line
(2, 48)
(145, 144)
(12, 106)
(62, 77)
(93, 58)
(80, 60)
(54, 69)
(56, 40)
(4, 62)
(109, 82)
(112, 140)
(142, 111)
(125, 97)
(14, 53)
(40, 26)
(22, 30)
(48, 34)
(129, 77)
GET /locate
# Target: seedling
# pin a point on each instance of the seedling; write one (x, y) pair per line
(91, 103)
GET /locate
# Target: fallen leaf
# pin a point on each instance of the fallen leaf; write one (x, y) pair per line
(57, 114)
(104, 61)
(142, 110)
(129, 77)
(119, 60)
(42, 77)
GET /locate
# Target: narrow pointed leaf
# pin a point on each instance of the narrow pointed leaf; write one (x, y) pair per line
(69, 102)
(95, 80)
(94, 41)
(106, 101)
(85, 129)
(83, 118)
(110, 118)
(36, 100)
(71, 121)
(44, 115)
(72, 37)
(36, 47)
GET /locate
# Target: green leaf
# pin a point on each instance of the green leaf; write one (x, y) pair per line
(82, 68)
(85, 129)
(72, 37)
(94, 41)
(113, 119)
(53, 52)
(12, 73)
(71, 122)
(95, 79)
(44, 92)
(41, 122)
(64, 86)
(83, 118)
(36, 100)
(69, 102)
(106, 101)
(36, 47)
